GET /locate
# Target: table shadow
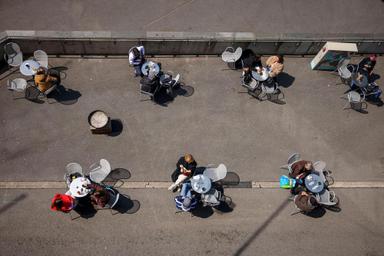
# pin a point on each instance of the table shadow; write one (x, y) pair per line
(117, 127)
(285, 80)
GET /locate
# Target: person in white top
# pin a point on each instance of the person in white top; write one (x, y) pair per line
(136, 58)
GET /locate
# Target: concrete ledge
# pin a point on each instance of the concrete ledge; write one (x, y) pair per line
(181, 43)
(165, 184)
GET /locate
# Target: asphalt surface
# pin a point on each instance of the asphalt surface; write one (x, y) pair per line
(261, 17)
(260, 224)
(217, 124)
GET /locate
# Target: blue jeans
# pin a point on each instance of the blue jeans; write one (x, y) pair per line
(186, 190)
(137, 69)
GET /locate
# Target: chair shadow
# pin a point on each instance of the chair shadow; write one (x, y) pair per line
(285, 80)
(232, 179)
(202, 212)
(117, 127)
(318, 212)
(85, 208)
(126, 205)
(163, 99)
(225, 207)
(117, 175)
(65, 96)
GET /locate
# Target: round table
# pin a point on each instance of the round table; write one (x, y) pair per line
(29, 67)
(314, 183)
(78, 187)
(261, 77)
(150, 65)
(201, 183)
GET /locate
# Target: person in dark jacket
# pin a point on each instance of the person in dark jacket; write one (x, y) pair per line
(300, 169)
(185, 168)
(305, 202)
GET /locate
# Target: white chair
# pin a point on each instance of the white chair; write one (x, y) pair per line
(327, 198)
(355, 101)
(344, 73)
(41, 57)
(99, 171)
(217, 173)
(13, 54)
(230, 55)
(18, 84)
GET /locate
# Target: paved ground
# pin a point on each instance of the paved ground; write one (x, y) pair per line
(216, 124)
(304, 16)
(260, 224)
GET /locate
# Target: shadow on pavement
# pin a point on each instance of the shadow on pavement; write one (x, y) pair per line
(285, 80)
(117, 127)
(260, 229)
(6, 206)
(65, 96)
(163, 99)
(116, 176)
(126, 205)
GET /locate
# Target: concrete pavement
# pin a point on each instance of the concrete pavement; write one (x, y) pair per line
(216, 124)
(260, 224)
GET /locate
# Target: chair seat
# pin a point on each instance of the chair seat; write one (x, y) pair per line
(354, 97)
(228, 56)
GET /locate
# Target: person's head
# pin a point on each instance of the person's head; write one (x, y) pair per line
(136, 52)
(308, 166)
(40, 71)
(187, 203)
(373, 57)
(57, 204)
(188, 158)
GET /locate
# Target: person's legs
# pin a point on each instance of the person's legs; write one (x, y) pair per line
(137, 69)
(174, 175)
(186, 190)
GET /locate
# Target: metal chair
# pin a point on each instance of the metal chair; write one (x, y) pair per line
(270, 91)
(72, 169)
(99, 171)
(355, 101)
(41, 57)
(13, 54)
(327, 198)
(17, 85)
(230, 55)
(344, 73)
(291, 160)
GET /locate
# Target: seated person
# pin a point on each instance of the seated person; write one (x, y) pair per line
(300, 169)
(275, 65)
(44, 80)
(371, 61)
(305, 202)
(99, 195)
(185, 168)
(136, 58)
(250, 60)
(149, 84)
(63, 203)
(186, 201)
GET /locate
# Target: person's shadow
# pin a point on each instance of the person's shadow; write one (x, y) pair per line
(285, 80)
(163, 98)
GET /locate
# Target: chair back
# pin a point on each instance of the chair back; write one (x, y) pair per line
(13, 54)
(100, 171)
(325, 197)
(71, 169)
(217, 173)
(18, 84)
(177, 79)
(229, 55)
(41, 57)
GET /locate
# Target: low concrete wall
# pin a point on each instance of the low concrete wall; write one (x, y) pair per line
(181, 43)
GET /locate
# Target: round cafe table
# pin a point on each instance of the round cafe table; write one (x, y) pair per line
(149, 65)
(29, 67)
(78, 187)
(261, 77)
(314, 183)
(201, 183)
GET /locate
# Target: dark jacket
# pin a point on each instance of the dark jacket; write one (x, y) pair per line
(188, 166)
(298, 168)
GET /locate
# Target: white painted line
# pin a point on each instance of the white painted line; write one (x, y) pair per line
(165, 184)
